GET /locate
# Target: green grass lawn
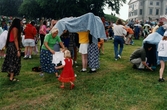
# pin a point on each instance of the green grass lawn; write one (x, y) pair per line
(115, 86)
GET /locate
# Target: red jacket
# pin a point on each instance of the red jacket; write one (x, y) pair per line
(30, 31)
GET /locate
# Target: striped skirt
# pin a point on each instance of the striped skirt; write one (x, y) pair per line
(93, 56)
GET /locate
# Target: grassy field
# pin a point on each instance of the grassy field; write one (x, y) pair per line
(115, 86)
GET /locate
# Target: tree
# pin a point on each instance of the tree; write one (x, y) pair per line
(115, 4)
(10, 7)
(57, 8)
(31, 9)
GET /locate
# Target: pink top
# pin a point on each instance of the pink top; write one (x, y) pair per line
(42, 30)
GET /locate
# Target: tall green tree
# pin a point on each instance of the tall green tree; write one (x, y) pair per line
(114, 4)
(10, 7)
(57, 8)
(30, 9)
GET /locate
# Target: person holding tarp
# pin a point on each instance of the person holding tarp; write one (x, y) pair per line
(83, 48)
(93, 55)
(154, 38)
(87, 22)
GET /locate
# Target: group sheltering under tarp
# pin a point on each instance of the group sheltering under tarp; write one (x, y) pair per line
(154, 38)
(83, 23)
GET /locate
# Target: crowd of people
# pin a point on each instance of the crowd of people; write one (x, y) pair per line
(70, 43)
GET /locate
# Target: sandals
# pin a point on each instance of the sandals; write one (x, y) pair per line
(14, 80)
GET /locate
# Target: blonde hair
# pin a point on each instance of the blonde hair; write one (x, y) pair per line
(54, 30)
(67, 54)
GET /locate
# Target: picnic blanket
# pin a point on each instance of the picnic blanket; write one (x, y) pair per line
(83, 23)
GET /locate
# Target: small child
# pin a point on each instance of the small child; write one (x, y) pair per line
(100, 45)
(67, 74)
(162, 55)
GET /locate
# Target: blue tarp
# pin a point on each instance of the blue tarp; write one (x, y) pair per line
(153, 38)
(83, 23)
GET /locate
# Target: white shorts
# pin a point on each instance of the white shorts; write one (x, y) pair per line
(83, 48)
(130, 36)
(29, 42)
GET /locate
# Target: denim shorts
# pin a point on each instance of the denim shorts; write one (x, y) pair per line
(162, 58)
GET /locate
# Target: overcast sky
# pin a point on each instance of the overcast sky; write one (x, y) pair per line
(123, 11)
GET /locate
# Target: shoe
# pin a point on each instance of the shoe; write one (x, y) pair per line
(161, 80)
(25, 57)
(58, 76)
(119, 56)
(75, 62)
(41, 74)
(116, 59)
(92, 71)
(72, 86)
(62, 87)
(14, 80)
(134, 67)
(30, 57)
(82, 70)
(75, 75)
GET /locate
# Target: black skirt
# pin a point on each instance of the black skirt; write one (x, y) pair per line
(12, 63)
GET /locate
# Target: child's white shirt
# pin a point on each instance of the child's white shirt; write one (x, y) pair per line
(162, 48)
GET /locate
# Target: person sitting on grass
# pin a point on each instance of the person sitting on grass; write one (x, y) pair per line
(67, 74)
(138, 57)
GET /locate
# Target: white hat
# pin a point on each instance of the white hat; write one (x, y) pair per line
(165, 34)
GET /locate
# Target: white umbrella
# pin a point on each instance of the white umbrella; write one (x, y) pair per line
(147, 25)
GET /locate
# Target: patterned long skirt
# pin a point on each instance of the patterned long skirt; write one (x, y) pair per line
(12, 63)
(46, 62)
(93, 56)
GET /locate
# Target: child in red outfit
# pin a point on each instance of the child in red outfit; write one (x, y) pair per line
(67, 74)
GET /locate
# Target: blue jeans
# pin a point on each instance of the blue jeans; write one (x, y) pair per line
(118, 40)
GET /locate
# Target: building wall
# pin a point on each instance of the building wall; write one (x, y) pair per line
(143, 10)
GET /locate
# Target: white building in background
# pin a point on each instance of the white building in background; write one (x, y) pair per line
(142, 10)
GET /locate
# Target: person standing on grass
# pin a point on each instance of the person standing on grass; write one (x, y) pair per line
(12, 62)
(119, 33)
(93, 54)
(42, 33)
(47, 52)
(29, 40)
(67, 74)
(83, 48)
(162, 56)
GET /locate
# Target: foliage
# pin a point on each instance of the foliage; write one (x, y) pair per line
(57, 8)
(32, 12)
(10, 7)
(115, 86)
(115, 4)
(110, 18)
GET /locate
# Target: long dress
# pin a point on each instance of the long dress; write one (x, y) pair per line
(67, 74)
